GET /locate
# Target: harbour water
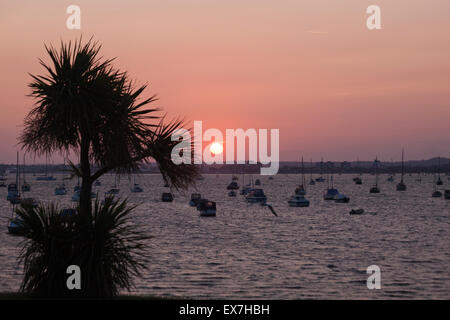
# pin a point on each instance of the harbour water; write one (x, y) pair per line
(304, 253)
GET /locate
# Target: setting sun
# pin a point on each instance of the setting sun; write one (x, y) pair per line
(216, 148)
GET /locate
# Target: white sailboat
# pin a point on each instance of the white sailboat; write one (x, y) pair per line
(25, 186)
(375, 188)
(401, 186)
(311, 180)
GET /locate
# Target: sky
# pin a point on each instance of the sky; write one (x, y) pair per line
(311, 69)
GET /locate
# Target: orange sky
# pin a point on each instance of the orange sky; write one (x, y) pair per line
(309, 68)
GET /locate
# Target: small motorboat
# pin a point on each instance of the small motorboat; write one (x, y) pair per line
(298, 201)
(232, 193)
(207, 208)
(136, 188)
(331, 194)
(13, 193)
(341, 198)
(401, 186)
(26, 187)
(447, 194)
(357, 211)
(375, 189)
(29, 202)
(167, 197)
(436, 194)
(257, 182)
(233, 186)
(76, 196)
(112, 191)
(46, 178)
(195, 199)
(60, 190)
(16, 227)
(256, 196)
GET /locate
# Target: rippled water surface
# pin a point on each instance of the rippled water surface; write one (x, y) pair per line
(246, 252)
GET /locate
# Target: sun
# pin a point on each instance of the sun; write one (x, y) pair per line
(216, 148)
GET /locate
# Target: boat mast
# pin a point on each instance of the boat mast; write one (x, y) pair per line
(24, 180)
(376, 172)
(17, 174)
(403, 165)
(303, 173)
(332, 177)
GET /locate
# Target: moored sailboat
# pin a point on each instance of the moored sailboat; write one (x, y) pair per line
(401, 186)
(375, 188)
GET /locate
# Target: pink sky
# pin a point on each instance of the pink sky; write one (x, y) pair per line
(309, 68)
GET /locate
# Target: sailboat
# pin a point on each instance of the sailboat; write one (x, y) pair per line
(331, 191)
(436, 193)
(60, 190)
(311, 180)
(391, 177)
(13, 188)
(439, 181)
(300, 190)
(25, 186)
(16, 225)
(320, 178)
(256, 196)
(77, 188)
(358, 179)
(136, 187)
(401, 186)
(375, 188)
(46, 177)
(114, 189)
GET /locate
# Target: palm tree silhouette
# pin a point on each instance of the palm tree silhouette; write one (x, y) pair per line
(86, 106)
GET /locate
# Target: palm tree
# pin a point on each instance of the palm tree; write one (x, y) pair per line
(85, 105)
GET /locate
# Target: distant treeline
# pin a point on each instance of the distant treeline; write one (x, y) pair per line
(414, 166)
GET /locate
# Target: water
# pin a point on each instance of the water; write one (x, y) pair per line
(304, 253)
